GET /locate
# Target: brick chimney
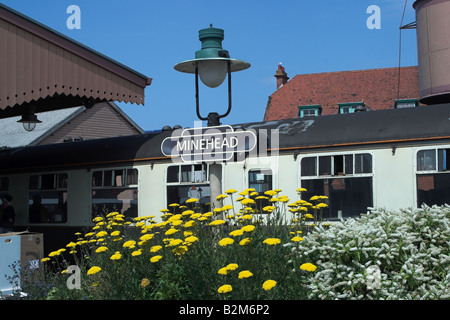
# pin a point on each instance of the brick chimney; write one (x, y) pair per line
(281, 76)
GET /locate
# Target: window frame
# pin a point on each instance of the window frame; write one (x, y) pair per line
(317, 108)
(56, 188)
(423, 172)
(350, 105)
(343, 176)
(261, 170)
(113, 186)
(399, 102)
(332, 166)
(204, 181)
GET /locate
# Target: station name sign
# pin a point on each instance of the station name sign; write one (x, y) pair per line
(210, 144)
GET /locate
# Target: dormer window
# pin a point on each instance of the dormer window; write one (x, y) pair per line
(406, 103)
(351, 107)
(310, 110)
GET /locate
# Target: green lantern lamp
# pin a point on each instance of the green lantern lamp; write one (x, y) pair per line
(212, 64)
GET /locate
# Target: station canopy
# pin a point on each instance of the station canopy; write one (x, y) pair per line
(43, 68)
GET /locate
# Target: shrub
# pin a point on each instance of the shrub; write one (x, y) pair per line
(250, 250)
(409, 249)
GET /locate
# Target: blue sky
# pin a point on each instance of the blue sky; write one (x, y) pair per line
(151, 36)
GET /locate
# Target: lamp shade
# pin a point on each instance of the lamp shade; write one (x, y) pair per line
(211, 59)
(212, 72)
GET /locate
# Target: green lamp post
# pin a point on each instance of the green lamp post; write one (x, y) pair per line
(212, 63)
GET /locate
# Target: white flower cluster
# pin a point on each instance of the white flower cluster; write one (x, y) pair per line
(382, 255)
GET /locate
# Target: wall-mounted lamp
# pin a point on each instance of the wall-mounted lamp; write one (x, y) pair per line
(29, 119)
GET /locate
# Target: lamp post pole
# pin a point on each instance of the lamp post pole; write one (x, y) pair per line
(212, 64)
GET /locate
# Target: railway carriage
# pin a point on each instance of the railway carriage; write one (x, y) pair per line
(397, 158)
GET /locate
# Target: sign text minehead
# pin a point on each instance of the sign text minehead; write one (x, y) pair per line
(210, 144)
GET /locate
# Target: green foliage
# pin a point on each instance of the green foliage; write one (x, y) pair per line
(245, 250)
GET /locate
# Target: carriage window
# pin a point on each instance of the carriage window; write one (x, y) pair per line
(4, 184)
(345, 179)
(188, 181)
(433, 177)
(48, 198)
(115, 191)
(260, 180)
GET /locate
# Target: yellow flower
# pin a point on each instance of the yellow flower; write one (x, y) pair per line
(221, 196)
(270, 193)
(101, 249)
(54, 254)
(262, 198)
(216, 223)
(175, 242)
(155, 248)
(147, 237)
(136, 253)
(223, 270)
(322, 205)
(191, 239)
(247, 217)
(174, 205)
(45, 259)
(230, 191)
(116, 256)
(195, 215)
(129, 244)
(97, 219)
(269, 284)
(297, 239)
(175, 217)
(301, 190)
(115, 233)
(269, 208)
(226, 241)
(232, 266)
(236, 233)
(272, 241)
(155, 259)
(227, 207)
(171, 231)
(308, 267)
(191, 200)
(245, 274)
(93, 270)
(145, 282)
(247, 201)
(190, 224)
(225, 288)
(245, 242)
(314, 198)
(71, 245)
(101, 234)
(248, 228)
(309, 216)
(177, 223)
(180, 250)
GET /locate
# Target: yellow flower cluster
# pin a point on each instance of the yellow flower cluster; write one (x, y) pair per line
(181, 231)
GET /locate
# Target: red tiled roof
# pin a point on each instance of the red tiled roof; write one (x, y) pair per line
(376, 87)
